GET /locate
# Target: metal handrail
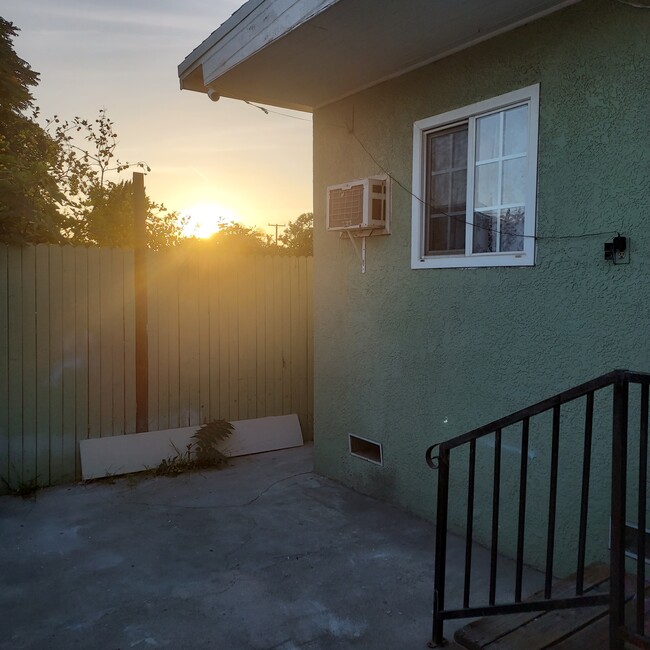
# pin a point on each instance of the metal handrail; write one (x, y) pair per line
(620, 380)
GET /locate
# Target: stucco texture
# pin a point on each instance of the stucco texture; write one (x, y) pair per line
(413, 357)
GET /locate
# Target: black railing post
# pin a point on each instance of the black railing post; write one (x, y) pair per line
(437, 638)
(619, 483)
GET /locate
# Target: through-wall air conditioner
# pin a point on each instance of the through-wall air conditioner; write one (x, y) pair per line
(357, 204)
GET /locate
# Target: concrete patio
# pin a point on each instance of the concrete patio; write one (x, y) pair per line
(264, 554)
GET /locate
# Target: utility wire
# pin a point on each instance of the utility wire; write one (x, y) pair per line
(460, 219)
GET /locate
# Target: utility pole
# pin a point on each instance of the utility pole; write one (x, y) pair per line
(276, 225)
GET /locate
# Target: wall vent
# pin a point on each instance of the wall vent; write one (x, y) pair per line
(367, 449)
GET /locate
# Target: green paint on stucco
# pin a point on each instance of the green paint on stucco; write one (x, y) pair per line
(413, 357)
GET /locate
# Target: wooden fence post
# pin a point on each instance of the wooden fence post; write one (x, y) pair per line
(140, 275)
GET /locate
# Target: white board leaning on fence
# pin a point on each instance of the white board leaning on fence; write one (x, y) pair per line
(138, 452)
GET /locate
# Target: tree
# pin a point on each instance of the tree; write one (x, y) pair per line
(109, 219)
(100, 210)
(237, 238)
(29, 193)
(297, 238)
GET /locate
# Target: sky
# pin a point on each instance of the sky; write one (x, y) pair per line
(225, 159)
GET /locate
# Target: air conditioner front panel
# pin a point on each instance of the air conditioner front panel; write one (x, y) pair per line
(346, 207)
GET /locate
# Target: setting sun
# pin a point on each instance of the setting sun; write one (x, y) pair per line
(205, 219)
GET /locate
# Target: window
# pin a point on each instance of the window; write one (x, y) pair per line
(474, 184)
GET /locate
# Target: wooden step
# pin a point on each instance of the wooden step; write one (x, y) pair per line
(538, 630)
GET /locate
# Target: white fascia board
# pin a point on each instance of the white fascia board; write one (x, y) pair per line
(269, 21)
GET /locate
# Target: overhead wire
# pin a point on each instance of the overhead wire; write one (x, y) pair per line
(457, 219)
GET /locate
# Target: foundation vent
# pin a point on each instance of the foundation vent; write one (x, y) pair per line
(366, 449)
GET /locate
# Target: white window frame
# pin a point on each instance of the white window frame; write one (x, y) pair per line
(526, 257)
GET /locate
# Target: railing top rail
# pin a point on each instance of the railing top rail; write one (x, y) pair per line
(608, 379)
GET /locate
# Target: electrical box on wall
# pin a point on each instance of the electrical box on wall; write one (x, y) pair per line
(361, 204)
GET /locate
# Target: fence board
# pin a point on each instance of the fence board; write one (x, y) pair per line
(94, 343)
(309, 326)
(116, 299)
(129, 342)
(28, 318)
(68, 364)
(203, 281)
(56, 365)
(4, 368)
(229, 337)
(42, 365)
(81, 350)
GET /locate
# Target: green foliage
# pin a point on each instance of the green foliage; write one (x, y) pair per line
(29, 193)
(25, 488)
(100, 210)
(298, 237)
(207, 440)
(237, 238)
(202, 453)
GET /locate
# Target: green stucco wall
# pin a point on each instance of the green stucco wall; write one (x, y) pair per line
(413, 357)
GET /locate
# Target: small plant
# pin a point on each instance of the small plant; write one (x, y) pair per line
(25, 488)
(207, 440)
(202, 453)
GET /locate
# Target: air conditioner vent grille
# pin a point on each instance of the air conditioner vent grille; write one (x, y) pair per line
(346, 207)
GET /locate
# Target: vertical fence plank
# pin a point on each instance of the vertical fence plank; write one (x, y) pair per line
(106, 351)
(285, 328)
(245, 345)
(191, 336)
(56, 365)
(230, 290)
(213, 297)
(14, 288)
(68, 372)
(81, 351)
(42, 364)
(94, 342)
(4, 368)
(117, 335)
(269, 337)
(157, 276)
(129, 344)
(310, 347)
(224, 361)
(204, 337)
(294, 337)
(153, 340)
(172, 283)
(260, 339)
(302, 328)
(28, 319)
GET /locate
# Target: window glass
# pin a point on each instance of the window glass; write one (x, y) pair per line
(488, 137)
(516, 131)
(474, 184)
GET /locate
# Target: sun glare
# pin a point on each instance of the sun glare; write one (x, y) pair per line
(205, 219)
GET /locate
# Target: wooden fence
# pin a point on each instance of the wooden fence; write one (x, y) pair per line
(229, 337)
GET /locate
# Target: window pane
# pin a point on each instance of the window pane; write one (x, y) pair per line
(514, 180)
(486, 189)
(440, 152)
(512, 229)
(446, 191)
(438, 240)
(515, 138)
(440, 192)
(485, 235)
(459, 158)
(457, 232)
(458, 190)
(488, 136)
